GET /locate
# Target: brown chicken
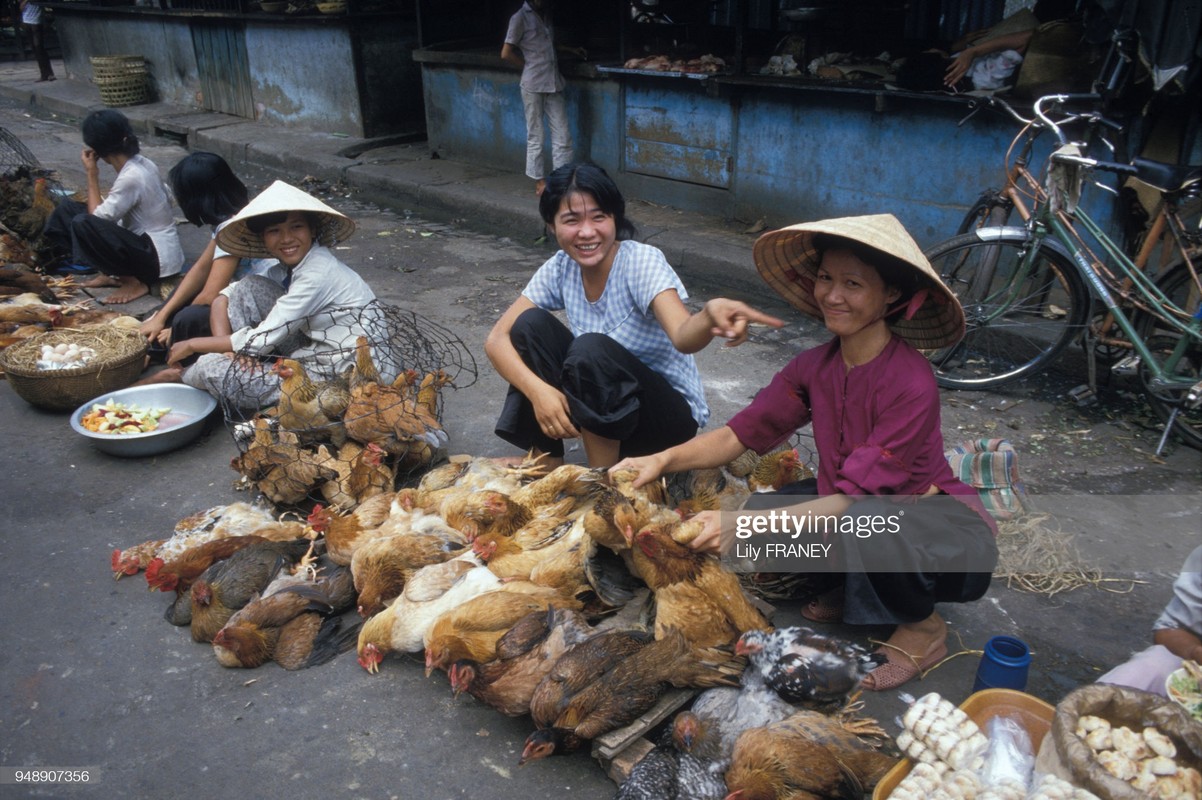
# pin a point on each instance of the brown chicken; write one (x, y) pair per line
(568, 480)
(551, 551)
(344, 532)
(486, 512)
(178, 574)
(694, 593)
(219, 522)
(427, 406)
(807, 756)
(431, 592)
(284, 471)
(381, 566)
(292, 482)
(32, 221)
(384, 415)
(362, 473)
(525, 654)
(28, 314)
(266, 450)
(471, 630)
(776, 470)
(14, 250)
(313, 411)
(292, 623)
(228, 585)
(578, 667)
(715, 490)
(618, 695)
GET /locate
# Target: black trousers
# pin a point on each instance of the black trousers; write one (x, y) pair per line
(38, 41)
(610, 392)
(101, 243)
(893, 579)
(190, 322)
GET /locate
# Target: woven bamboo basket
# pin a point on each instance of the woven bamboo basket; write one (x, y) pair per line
(118, 363)
(122, 80)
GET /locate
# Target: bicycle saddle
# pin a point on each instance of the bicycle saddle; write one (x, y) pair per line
(1166, 177)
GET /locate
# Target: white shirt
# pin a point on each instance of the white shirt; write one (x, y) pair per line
(325, 301)
(31, 14)
(623, 312)
(531, 34)
(139, 203)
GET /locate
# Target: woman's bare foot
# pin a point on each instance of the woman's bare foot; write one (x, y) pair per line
(128, 289)
(913, 648)
(165, 375)
(101, 281)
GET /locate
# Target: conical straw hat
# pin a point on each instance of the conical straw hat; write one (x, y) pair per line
(787, 262)
(235, 238)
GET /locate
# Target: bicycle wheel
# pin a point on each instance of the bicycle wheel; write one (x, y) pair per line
(1161, 340)
(1018, 317)
(991, 210)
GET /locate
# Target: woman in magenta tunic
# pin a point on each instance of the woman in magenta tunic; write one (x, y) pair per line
(873, 405)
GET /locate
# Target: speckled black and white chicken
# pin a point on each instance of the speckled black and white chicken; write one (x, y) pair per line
(677, 768)
(808, 668)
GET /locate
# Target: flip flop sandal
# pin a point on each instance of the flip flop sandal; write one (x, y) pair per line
(893, 674)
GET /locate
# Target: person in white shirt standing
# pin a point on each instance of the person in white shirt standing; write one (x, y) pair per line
(530, 45)
(31, 17)
(130, 235)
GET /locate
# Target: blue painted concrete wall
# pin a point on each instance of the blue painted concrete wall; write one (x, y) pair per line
(285, 59)
(793, 154)
(476, 115)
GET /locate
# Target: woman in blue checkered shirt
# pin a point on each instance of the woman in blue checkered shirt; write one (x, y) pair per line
(620, 374)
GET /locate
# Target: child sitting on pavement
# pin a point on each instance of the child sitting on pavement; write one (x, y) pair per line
(314, 317)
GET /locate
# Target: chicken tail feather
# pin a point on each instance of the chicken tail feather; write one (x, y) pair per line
(331, 641)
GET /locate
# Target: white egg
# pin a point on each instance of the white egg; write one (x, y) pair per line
(60, 348)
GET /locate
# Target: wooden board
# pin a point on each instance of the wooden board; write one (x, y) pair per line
(619, 750)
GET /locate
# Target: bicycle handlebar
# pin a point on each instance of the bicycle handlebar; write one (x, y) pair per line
(1041, 119)
(1060, 99)
(1093, 163)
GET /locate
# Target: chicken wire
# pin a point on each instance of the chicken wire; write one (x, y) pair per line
(18, 163)
(402, 344)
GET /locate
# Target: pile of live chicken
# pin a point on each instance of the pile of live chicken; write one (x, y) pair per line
(32, 302)
(569, 595)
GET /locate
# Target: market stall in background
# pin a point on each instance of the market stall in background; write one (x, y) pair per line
(755, 109)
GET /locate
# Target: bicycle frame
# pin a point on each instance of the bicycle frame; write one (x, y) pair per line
(1137, 288)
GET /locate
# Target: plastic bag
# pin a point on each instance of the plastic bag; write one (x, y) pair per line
(1009, 759)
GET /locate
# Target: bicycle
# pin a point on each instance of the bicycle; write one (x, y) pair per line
(1029, 290)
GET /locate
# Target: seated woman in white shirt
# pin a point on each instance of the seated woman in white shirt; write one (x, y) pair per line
(130, 235)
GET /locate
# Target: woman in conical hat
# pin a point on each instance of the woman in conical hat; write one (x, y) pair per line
(314, 316)
(873, 404)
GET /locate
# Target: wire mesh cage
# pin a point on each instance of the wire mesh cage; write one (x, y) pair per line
(28, 195)
(338, 425)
